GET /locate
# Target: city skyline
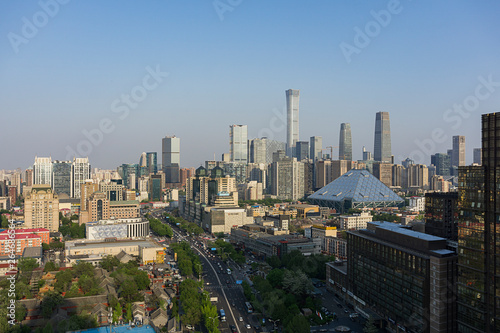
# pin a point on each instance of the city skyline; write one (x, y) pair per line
(432, 86)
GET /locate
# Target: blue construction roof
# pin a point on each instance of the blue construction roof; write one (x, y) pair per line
(356, 186)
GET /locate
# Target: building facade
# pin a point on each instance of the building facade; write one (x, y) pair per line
(292, 120)
(382, 149)
(345, 142)
(41, 208)
(458, 151)
(171, 158)
(238, 143)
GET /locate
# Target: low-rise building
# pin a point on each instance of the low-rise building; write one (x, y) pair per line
(222, 219)
(355, 221)
(117, 228)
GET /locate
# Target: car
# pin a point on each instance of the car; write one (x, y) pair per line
(234, 305)
(257, 327)
(241, 318)
(346, 311)
(248, 326)
(233, 329)
(189, 327)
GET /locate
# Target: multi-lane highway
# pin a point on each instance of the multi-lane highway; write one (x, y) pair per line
(222, 285)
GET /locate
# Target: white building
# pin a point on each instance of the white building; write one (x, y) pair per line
(356, 221)
(42, 171)
(80, 172)
(118, 228)
(417, 204)
(238, 143)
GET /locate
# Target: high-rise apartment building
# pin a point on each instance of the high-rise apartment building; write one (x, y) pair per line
(272, 146)
(477, 156)
(383, 172)
(442, 162)
(316, 148)
(287, 177)
(238, 143)
(382, 148)
(171, 158)
(29, 177)
(345, 142)
(80, 172)
(292, 120)
(42, 171)
(479, 235)
(41, 208)
(458, 155)
(62, 181)
(302, 150)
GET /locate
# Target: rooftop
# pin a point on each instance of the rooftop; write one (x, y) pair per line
(124, 202)
(100, 244)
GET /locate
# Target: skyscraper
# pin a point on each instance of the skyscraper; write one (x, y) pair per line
(382, 147)
(257, 151)
(478, 236)
(80, 172)
(292, 120)
(302, 150)
(61, 177)
(316, 148)
(238, 143)
(42, 171)
(171, 158)
(477, 156)
(151, 162)
(442, 164)
(458, 155)
(345, 142)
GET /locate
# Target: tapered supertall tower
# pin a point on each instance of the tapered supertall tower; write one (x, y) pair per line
(292, 120)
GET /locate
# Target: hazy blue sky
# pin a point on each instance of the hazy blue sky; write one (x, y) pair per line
(65, 72)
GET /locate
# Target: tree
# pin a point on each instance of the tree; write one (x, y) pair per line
(49, 303)
(50, 267)
(117, 313)
(370, 326)
(298, 324)
(128, 314)
(63, 281)
(5, 222)
(110, 262)
(275, 277)
(27, 264)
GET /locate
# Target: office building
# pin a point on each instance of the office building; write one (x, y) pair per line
(441, 215)
(41, 208)
(152, 162)
(442, 162)
(383, 172)
(42, 171)
(80, 172)
(156, 186)
(458, 154)
(382, 148)
(345, 142)
(287, 179)
(316, 148)
(478, 240)
(61, 177)
(113, 190)
(355, 221)
(292, 120)
(185, 174)
(407, 277)
(477, 156)
(302, 150)
(238, 143)
(257, 153)
(171, 158)
(86, 190)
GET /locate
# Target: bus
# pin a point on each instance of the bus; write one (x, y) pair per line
(249, 307)
(222, 315)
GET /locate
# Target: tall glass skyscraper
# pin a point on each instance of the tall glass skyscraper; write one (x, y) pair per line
(61, 177)
(80, 172)
(458, 151)
(442, 164)
(479, 236)
(42, 171)
(151, 162)
(316, 148)
(345, 142)
(238, 143)
(382, 148)
(171, 158)
(292, 120)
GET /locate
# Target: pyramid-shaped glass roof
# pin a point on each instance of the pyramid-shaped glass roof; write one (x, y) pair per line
(355, 189)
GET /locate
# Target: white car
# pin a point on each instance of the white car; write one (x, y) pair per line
(189, 327)
(240, 319)
(248, 326)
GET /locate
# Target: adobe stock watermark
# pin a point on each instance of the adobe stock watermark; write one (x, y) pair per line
(454, 116)
(121, 107)
(30, 28)
(11, 292)
(363, 37)
(223, 6)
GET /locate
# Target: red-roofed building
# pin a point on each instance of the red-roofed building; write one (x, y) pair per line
(42, 232)
(21, 241)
